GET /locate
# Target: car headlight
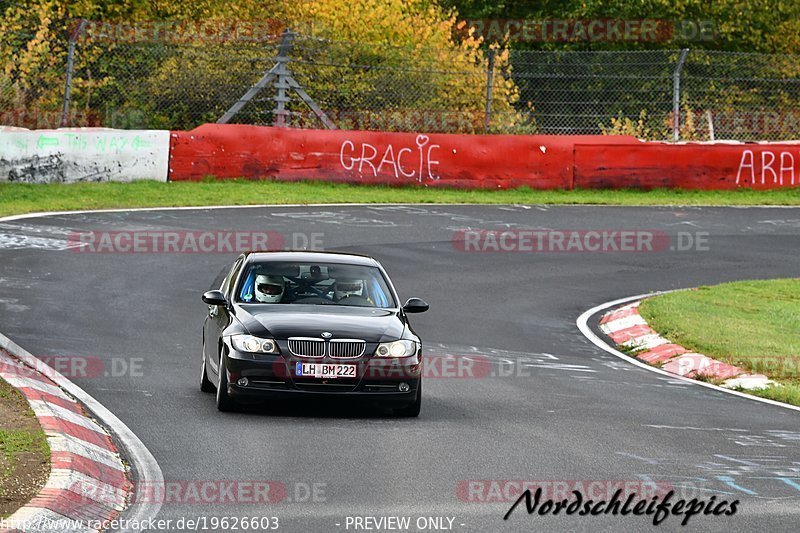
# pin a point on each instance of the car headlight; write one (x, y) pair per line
(400, 348)
(251, 344)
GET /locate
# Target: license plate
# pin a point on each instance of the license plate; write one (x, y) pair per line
(320, 370)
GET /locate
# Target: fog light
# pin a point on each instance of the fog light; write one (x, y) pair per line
(404, 387)
(242, 382)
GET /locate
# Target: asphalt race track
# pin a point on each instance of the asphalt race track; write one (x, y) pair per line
(553, 408)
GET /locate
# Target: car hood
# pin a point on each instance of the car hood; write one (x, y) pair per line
(284, 321)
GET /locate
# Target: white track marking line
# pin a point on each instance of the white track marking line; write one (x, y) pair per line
(377, 204)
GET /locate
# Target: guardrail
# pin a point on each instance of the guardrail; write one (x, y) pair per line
(478, 161)
(429, 160)
(83, 154)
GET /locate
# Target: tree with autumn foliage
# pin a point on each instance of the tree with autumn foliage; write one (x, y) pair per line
(352, 56)
(763, 26)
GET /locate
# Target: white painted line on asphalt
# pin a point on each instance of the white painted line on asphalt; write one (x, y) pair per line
(148, 473)
(737, 430)
(376, 204)
(214, 207)
(560, 366)
(583, 325)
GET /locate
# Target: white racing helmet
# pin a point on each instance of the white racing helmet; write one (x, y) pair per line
(348, 287)
(269, 289)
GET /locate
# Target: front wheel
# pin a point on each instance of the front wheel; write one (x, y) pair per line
(411, 410)
(225, 403)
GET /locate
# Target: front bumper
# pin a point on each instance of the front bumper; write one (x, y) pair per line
(273, 376)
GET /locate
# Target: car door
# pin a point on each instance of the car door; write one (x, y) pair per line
(218, 318)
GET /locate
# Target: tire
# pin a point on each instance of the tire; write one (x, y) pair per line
(205, 383)
(411, 410)
(225, 403)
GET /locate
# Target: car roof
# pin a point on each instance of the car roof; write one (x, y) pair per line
(313, 257)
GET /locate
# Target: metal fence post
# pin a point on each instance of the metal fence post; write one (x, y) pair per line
(489, 84)
(281, 77)
(710, 125)
(281, 81)
(70, 66)
(265, 80)
(676, 96)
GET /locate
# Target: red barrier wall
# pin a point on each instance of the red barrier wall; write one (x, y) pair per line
(477, 161)
(470, 161)
(688, 166)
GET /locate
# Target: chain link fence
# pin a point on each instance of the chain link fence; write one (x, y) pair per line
(715, 95)
(303, 81)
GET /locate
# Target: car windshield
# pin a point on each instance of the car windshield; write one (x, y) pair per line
(314, 284)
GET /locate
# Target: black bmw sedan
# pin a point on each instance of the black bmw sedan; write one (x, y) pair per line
(311, 323)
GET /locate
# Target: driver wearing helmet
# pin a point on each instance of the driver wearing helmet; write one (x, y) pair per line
(345, 288)
(269, 289)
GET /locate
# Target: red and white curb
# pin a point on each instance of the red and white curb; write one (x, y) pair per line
(582, 322)
(628, 329)
(88, 483)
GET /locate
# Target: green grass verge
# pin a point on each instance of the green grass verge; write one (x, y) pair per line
(18, 198)
(754, 325)
(14, 443)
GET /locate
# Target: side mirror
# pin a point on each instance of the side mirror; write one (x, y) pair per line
(215, 298)
(415, 305)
